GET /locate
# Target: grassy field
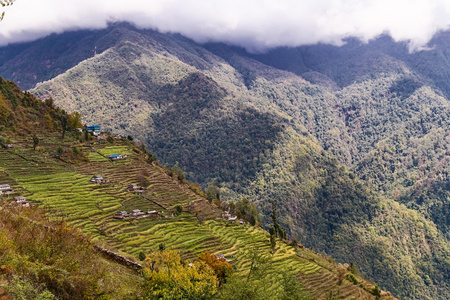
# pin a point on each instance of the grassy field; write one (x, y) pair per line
(67, 193)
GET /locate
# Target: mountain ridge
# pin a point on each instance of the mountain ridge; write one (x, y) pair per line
(145, 79)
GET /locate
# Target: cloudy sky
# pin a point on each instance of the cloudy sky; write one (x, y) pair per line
(254, 24)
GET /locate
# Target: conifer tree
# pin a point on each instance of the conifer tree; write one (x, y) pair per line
(35, 141)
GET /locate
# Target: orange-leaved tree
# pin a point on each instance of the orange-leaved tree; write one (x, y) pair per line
(221, 267)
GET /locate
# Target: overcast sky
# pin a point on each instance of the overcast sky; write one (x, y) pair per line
(254, 24)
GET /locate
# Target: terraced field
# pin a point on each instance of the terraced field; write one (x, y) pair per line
(67, 193)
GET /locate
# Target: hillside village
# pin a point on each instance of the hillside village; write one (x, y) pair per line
(162, 209)
(95, 130)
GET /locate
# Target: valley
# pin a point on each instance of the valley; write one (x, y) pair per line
(351, 142)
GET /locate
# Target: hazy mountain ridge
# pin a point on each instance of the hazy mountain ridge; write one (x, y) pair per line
(190, 104)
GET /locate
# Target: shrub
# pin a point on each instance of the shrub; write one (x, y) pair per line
(196, 188)
(341, 275)
(59, 151)
(23, 289)
(352, 278)
(110, 139)
(3, 141)
(294, 243)
(151, 158)
(48, 264)
(142, 256)
(178, 209)
(354, 269)
(376, 291)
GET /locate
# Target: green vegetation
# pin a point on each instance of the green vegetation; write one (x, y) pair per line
(356, 157)
(91, 207)
(56, 177)
(168, 278)
(40, 263)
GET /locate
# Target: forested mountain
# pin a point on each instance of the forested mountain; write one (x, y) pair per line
(337, 136)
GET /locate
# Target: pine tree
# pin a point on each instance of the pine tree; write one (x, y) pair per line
(35, 141)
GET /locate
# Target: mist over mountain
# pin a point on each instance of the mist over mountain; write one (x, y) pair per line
(255, 25)
(352, 142)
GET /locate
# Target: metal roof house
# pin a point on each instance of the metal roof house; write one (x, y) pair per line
(98, 179)
(222, 257)
(136, 212)
(117, 157)
(232, 219)
(121, 215)
(95, 129)
(135, 188)
(20, 199)
(4, 187)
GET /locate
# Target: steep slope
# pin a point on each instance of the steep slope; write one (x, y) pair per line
(330, 209)
(229, 116)
(58, 180)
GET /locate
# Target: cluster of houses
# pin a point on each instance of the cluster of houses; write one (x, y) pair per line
(135, 213)
(97, 131)
(230, 218)
(6, 189)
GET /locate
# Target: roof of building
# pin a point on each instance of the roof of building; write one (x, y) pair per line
(222, 256)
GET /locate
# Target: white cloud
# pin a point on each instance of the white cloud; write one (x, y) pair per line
(254, 24)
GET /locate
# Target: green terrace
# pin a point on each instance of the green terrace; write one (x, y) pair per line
(64, 189)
